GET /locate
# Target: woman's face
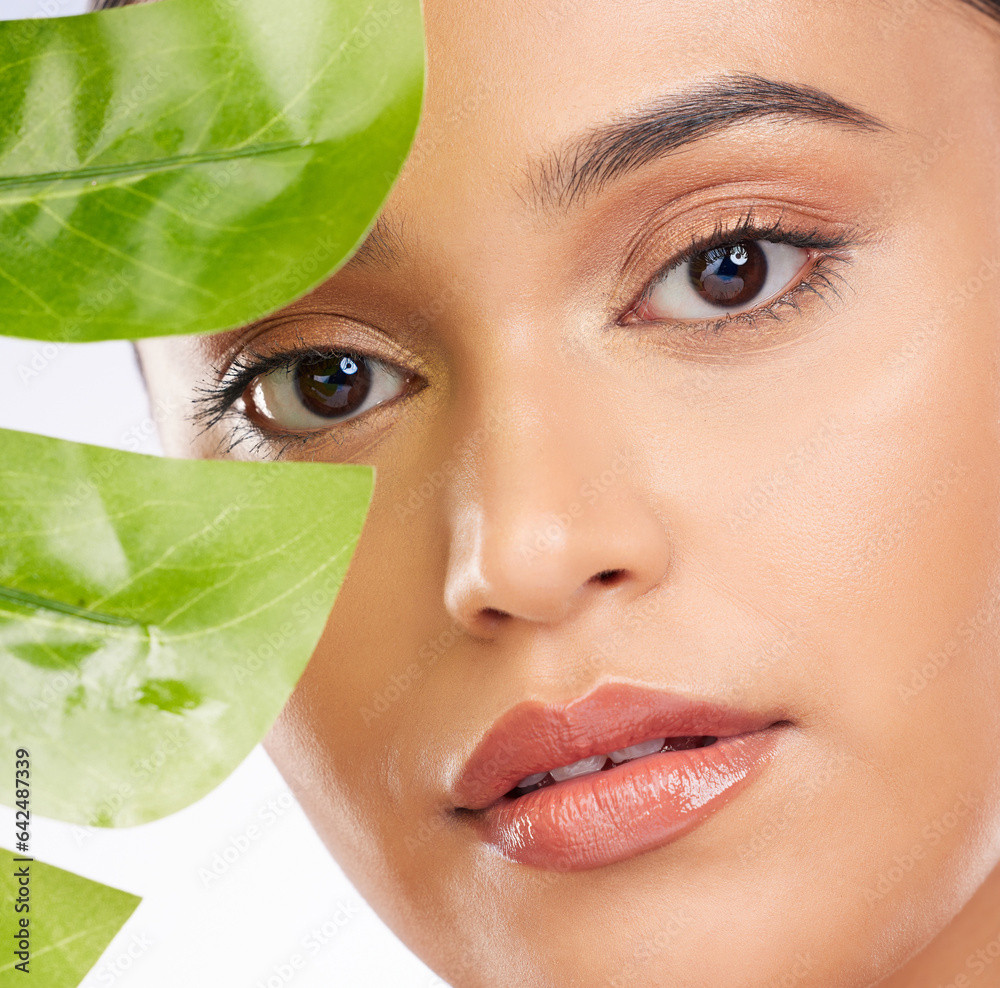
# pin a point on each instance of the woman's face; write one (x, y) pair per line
(677, 353)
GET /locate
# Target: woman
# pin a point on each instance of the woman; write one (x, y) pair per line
(669, 652)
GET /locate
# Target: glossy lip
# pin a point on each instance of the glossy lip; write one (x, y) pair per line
(612, 815)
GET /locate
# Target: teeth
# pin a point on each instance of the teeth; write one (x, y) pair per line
(531, 780)
(583, 767)
(637, 750)
(587, 766)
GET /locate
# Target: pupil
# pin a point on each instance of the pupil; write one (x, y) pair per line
(333, 386)
(731, 275)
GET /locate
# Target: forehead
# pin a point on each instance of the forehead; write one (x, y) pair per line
(514, 88)
(517, 88)
(512, 84)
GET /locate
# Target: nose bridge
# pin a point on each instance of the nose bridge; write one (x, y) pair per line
(545, 509)
(539, 436)
(529, 478)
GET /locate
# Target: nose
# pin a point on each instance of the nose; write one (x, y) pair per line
(549, 521)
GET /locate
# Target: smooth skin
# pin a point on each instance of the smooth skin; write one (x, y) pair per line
(799, 513)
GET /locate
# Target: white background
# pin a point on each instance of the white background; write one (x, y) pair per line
(11, 10)
(242, 929)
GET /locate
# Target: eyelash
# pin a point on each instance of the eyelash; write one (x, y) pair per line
(830, 248)
(217, 400)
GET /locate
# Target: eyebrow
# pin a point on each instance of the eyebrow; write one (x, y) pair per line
(609, 152)
(383, 247)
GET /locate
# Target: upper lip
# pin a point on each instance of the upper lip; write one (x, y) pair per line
(535, 737)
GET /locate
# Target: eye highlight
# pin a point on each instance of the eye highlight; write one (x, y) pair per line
(278, 399)
(320, 390)
(728, 278)
(737, 275)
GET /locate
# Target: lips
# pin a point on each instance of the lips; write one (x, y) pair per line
(608, 809)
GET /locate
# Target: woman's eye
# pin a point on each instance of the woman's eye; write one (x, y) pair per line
(318, 392)
(728, 278)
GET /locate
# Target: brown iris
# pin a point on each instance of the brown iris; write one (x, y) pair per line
(333, 386)
(731, 275)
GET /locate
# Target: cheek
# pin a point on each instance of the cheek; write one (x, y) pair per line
(358, 735)
(846, 493)
(891, 539)
(884, 534)
(850, 508)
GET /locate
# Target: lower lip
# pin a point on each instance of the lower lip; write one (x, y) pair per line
(611, 816)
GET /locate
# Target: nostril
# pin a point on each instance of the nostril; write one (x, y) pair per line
(609, 577)
(493, 613)
(489, 620)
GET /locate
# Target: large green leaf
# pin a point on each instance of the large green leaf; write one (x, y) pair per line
(71, 920)
(155, 615)
(189, 165)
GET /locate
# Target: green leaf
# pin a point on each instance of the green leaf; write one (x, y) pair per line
(190, 165)
(71, 921)
(155, 615)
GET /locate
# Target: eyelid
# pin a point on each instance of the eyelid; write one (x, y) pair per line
(218, 397)
(826, 248)
(305, 331)
(679, 238)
